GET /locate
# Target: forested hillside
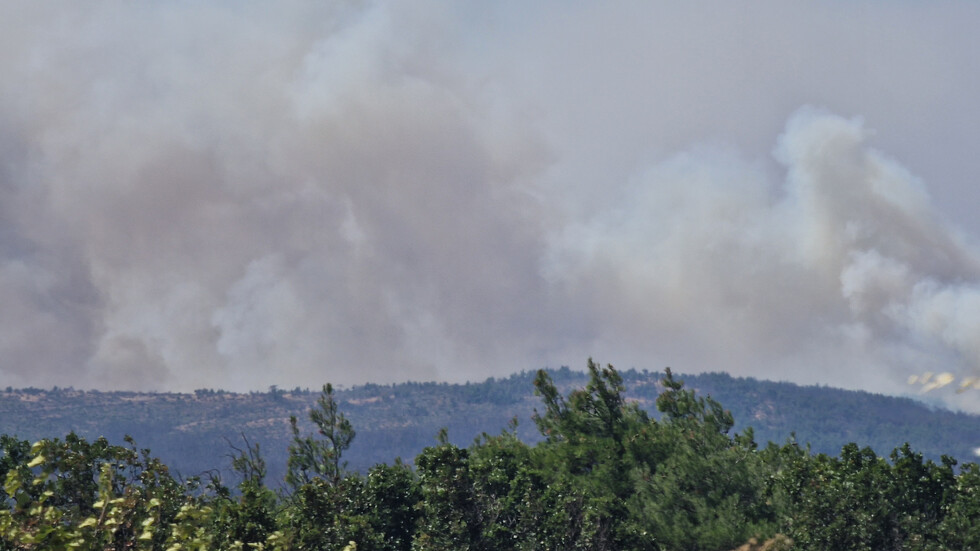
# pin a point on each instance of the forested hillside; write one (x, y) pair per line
(604, 475)
(191, 432)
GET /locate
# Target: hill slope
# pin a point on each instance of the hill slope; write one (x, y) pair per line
(191, 432)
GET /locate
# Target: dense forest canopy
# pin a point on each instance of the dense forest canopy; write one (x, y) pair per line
(605, 474)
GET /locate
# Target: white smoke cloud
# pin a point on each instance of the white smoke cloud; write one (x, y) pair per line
(240, 195)
(844, 272)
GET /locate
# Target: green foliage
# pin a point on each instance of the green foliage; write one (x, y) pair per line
(391, 496)
(448, 508)
(589, 438)
(87, 495)
(322, 515)
(310, 458)
(697, 487)
(959, 528)
(189, 431)
(249, 518)
(604, 476)
(861, 501)
(330, 507)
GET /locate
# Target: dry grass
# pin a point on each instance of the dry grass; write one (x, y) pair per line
(778, 543)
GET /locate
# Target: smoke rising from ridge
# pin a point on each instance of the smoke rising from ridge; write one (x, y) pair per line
(844, 273)
(237, 195)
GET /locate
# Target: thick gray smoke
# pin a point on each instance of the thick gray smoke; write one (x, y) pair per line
(239, 194)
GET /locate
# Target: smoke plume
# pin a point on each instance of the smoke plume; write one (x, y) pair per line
(238, 195)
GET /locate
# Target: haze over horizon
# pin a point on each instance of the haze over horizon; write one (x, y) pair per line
(242, 194)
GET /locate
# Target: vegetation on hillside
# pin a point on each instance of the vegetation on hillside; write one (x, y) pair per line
(605, 474)
(191, 432)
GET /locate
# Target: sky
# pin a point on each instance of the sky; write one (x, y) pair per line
(244, 194)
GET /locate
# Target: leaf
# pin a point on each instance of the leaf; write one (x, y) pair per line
(90, 521)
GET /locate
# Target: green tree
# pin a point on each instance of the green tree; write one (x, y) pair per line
(329, 506)
(508, 491)
(590, 448)
(311, 458)
(250, 517)
(392, 496)
(959, 528)
(840, 503)
(696, 487)
(920, 492)
(88, 495)
(449, 516)
(322, 515)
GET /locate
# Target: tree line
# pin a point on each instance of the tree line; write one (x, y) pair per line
(605, 476)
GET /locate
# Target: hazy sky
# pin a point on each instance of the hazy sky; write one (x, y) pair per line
(237, 194)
